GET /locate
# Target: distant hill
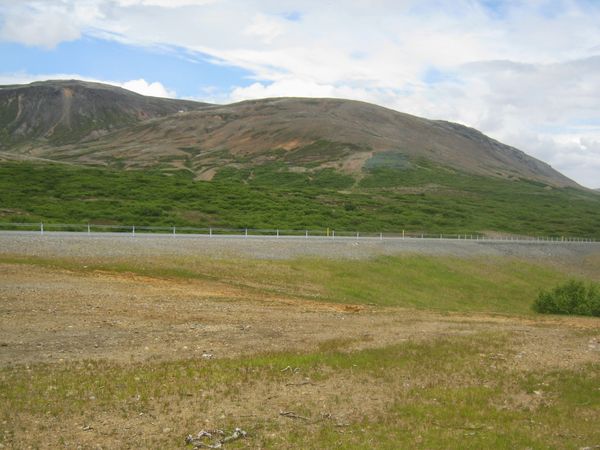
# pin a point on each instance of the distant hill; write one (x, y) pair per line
(68, 111)
(96, 124)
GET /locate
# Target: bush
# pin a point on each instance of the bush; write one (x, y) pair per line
(573, 297)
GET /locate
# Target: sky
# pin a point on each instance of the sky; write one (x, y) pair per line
(525, 72)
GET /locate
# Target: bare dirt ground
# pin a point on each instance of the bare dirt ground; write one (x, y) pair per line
(54, 316)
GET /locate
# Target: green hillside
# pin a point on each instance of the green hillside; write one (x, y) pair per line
(423, 198)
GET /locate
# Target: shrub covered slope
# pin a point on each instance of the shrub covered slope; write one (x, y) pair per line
(425, 198)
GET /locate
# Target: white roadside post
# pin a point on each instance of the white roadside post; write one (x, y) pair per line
(41, 228)
(306, 234)
(357, 235)
(133, 231)
(173, 231)
(246, 233)
(381, 236)
(402, 234)
(89, 228)
(332, 234)
(210, 232)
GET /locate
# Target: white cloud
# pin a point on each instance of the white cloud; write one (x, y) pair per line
(36, 26)
(265, 28)
(283, 88)
(154, 89)
(577, 157)
(164, 3)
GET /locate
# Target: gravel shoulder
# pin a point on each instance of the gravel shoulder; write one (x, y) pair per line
(77, 245)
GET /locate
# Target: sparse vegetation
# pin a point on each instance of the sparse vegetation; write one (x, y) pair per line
(445, 353)
(445, 393)
(572, 297)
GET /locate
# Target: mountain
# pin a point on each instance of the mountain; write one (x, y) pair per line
(75, 152)
(91, 123)
(69, 111)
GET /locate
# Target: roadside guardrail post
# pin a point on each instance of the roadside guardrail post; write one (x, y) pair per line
(124, 230)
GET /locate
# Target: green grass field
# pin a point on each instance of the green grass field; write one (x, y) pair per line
(491, 285)
(421, 199)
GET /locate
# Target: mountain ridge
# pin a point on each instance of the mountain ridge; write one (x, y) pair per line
(118, 128)
(66, 111)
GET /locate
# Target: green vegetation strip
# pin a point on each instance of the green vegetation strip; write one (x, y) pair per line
(420, 198)
(454, 392)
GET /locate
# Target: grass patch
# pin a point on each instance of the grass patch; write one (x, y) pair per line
(443, 283)
(495, 285)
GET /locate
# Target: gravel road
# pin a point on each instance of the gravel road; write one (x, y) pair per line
(112, 245)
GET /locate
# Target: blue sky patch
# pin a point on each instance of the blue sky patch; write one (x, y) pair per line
(293, 16)
(434, 75)
(112, 61)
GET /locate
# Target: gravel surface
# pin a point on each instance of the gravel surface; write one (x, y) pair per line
(111, 245)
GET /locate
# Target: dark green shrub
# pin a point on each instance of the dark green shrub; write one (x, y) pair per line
(573, 297)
